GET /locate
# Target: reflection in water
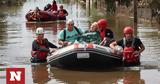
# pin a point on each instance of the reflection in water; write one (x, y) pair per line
(47, 26)
(40, 74)
(3, 33)
(54, 29)
(11, 2)
(61, 25)
(97, 77)
(2, 75)
(151, 76)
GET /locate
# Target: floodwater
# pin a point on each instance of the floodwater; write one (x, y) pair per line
(16, 39)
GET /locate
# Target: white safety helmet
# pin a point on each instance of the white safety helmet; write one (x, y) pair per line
(39, 30)
(70, 21)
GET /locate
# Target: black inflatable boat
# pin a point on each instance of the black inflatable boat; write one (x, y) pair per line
(84, 55)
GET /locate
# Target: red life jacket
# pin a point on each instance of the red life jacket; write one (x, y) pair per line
(128, 53)
(54, 7)
(129, 56)
(61, 13)
(102, 34)
(39, 54)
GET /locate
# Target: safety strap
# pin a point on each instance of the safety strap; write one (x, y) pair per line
(124, 42)
(77, 30)
(64, 37)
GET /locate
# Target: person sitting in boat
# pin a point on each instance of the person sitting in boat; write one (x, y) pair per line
(47, 7)
(36, 14)
(41, 47)
(62, 13)
(92, 35)
(132, 46)
(70, 34)
(106, 34)
(54, 6)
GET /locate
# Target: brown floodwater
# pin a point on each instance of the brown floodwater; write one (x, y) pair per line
(16, 38)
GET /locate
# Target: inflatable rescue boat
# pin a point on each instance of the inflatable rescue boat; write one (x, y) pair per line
(84, 55)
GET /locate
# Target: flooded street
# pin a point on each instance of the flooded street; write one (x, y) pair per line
(16, 38)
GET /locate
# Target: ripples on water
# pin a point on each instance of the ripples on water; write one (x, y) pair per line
(149, 36)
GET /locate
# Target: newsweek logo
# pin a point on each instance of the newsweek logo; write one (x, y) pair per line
(15, 75)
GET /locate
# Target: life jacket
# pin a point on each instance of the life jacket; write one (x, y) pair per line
(102, 34)
(91, 37)
(61, 13)
(54, 7)
(39, 54)
(128, 51)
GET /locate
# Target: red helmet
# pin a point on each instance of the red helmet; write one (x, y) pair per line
(102, 23)
(128, 30)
